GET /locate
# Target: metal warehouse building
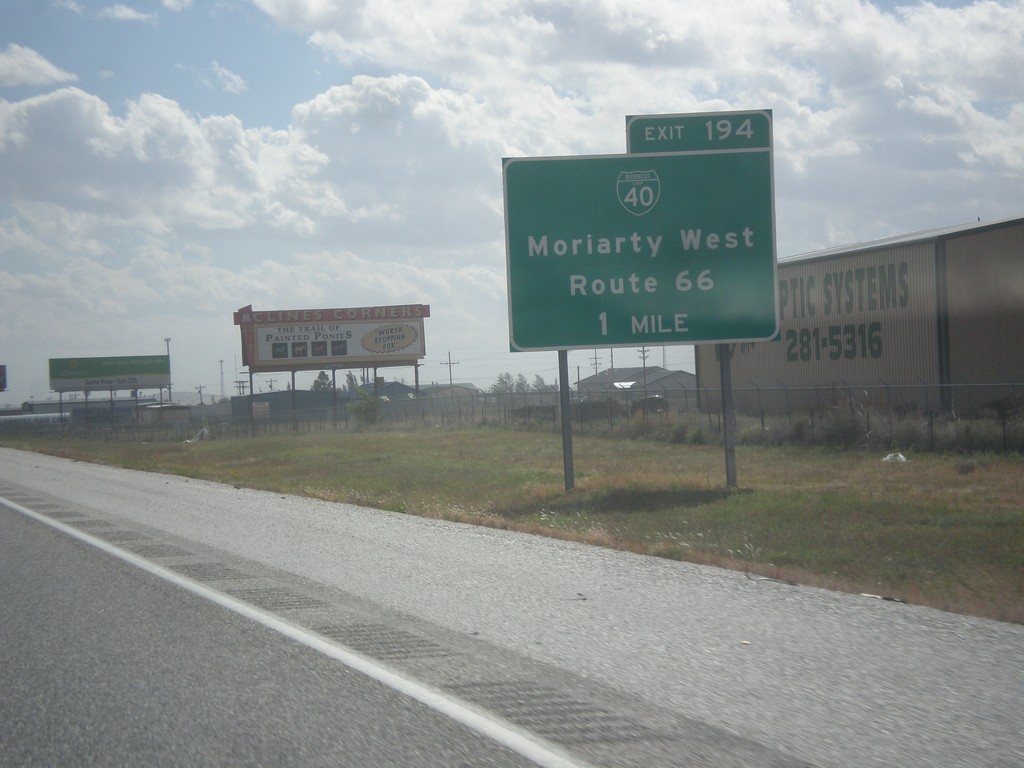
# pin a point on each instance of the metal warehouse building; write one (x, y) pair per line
(932, 321)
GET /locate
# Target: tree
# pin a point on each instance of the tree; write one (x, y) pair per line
(522, 385)
(322, 383)
(505, 383)
(350, 381)
(365, 409)
(538, 383)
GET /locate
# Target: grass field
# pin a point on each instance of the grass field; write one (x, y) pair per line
(940, 530)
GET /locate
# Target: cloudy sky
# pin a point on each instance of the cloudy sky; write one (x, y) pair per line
(164, 163)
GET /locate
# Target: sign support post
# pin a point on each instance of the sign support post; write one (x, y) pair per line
(295, 413)
(728, 414)
(566, 405)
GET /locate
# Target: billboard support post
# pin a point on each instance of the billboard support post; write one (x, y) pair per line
(334, 397)
(295, 412)
(252, 400)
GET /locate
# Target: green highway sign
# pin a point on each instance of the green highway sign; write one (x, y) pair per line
(630, 250)
(711, 131)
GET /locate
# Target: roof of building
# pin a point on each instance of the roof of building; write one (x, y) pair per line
(929, 235)
(627, 378)
(391, 390)
(432, 388)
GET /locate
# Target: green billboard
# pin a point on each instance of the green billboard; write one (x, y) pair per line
(84, 374)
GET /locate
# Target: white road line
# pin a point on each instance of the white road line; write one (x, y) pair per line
(537, 750)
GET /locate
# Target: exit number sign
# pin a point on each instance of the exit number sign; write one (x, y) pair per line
(661, 246)
(710, 132)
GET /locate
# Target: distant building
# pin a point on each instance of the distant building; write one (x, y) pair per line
(391, 390)
(453, 390)
(219, 410)
(286, 403)
(931, 321)
(164, 413)
(635, 383)
(100, 409)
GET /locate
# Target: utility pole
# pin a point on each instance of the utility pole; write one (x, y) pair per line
(596, 362)
(644, 352)
(451, 382)
(221, 379)
(270, 384)
(200, 389)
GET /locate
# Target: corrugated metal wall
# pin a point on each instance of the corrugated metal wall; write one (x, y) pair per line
(859, 328)
(985, 286)
(935, 324)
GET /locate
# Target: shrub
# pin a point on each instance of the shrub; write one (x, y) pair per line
(365, 409)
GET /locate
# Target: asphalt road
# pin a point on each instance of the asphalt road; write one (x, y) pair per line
(105, 664)
(527, 649)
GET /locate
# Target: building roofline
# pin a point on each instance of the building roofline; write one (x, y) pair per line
(912, 238)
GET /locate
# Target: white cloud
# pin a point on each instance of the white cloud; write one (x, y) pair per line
(23, 66)
(122, 12)
(420, 164)
(558, 77)
(160, 168)
(228, 80)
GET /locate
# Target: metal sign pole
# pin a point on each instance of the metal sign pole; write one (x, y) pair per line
(728, 417)
(563, 394)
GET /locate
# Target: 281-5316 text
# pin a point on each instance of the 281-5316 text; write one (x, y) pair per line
(847, 341)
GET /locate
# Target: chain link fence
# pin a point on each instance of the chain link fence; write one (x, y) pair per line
(835, 414)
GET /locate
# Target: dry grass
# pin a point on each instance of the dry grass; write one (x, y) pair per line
(940, 530)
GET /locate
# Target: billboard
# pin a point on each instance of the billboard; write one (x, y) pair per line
(86, 374)
(318, 339)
